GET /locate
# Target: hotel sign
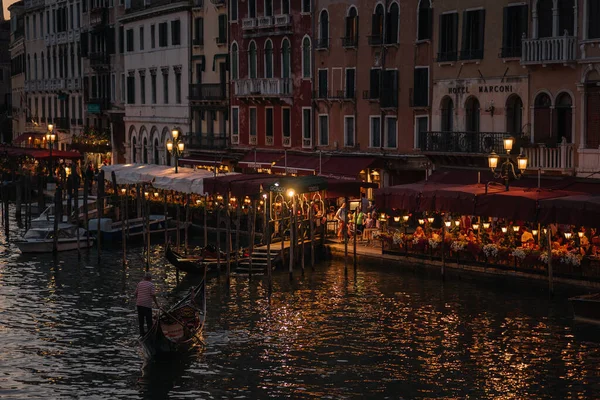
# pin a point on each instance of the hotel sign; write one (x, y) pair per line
(482, 89)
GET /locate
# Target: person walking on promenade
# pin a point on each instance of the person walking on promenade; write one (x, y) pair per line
(144, 295)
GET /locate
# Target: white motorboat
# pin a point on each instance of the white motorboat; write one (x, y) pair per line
(112, 230)
(47, 217)
(41, 239)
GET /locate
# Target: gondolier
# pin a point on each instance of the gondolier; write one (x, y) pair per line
(144, 295)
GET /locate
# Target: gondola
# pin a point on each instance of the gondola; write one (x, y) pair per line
(179, 328)
(195, 264)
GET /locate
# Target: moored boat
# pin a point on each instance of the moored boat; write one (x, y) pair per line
(113, 230)
(586, 308)
(178, 328)
(195, 263)
(41, 239)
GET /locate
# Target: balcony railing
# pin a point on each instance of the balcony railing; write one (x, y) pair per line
(264, 22)
(447, 56)
(207, 92)
(62, 123)
(248, 23)
(560, 158)
(462, 142)
(350, 41)
(283, 20)
(375, 40)
(322, 44)
(98, 16)
(217, 141)
(549, 50)
(263, 87)
(347, 94)
(471, 54)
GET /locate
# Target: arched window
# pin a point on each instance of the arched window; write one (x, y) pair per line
(285, 7)
(286, 66)
(447, 114)
(234, 62)
(268, 59)
(323, 30)
(472, 115)
(514, 114)
(145, 151)
(251, 8)
(156, 157)
(252, 60)
(306, 61)
(134, 150)
(544, 18)
(377, 26)
(542, 118)
(351, 39)
(566, 20)
(391, 26)
(564, 116)
(425, 20)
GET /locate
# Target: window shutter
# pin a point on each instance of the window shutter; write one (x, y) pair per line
(442, 48)
(84, 44)
(222, 27)
(348, 27)
(110, 40)
(387, 29)
(507, 35)
(374, 84)
(523, 22)
(454, 34)
(356, 25)
(481, 36)
(465, 40)
(429, 31)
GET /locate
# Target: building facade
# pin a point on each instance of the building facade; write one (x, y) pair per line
(271, 75)
(17, 68)
(209, 83)
(156, 65)
(53, 70)
(372, 81)
(102, 47)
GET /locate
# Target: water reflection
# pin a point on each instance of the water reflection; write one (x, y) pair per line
(68, 326)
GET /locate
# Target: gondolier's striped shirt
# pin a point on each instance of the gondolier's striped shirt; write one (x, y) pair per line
(144, 292)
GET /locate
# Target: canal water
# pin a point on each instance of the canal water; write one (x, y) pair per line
(68, 329)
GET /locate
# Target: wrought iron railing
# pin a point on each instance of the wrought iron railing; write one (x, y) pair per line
(462, 142)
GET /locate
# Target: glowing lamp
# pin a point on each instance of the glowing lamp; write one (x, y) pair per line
(396, 219)
(508, 144)
(534, 232)
(421, 221)
(504, 229)
(180, 146)
(493, 160)
(486, 225)
(146, 194)
(405, 218)
(568, 235)
(175, 134)
(580, 234)
(123, 191)
(50, 127)
(516, 228)
(448, 223)
(457, 222)
(522, 162)
(476, 227)
(156, 194)
(291, 193)
(198, 201)
(169, 145)
(430, 220)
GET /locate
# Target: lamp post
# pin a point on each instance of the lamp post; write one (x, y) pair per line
(51, 138)
(507, 169)
(175, 147)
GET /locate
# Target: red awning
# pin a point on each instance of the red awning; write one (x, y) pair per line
(259, 159)
(42, 154)
(345, 167)
(223, 184)
(299, 164)
(24, 137)
(194, 161)
(346, 188)
(252, 187)
(580, 210)
(516, 204)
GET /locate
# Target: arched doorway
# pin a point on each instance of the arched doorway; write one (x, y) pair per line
(542, 118)
(472, 115)
(564, 117)
(514, 114)
(447, 114)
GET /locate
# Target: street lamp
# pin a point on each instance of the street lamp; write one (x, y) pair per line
(175, 147)
(51, 138)
(507, 168)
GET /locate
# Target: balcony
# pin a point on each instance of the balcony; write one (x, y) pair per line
(197, 4)
(264, 87)
(207, 92)
(98, 16)
(447, 56)
(59, 84)
(264, 22)
(73, 84)
(559, 159)
(61, 123)
(375, 40)
(552, 50)
(466, 143)
(216, 141)
(282, 20)
(248, 23)
(350, 42)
